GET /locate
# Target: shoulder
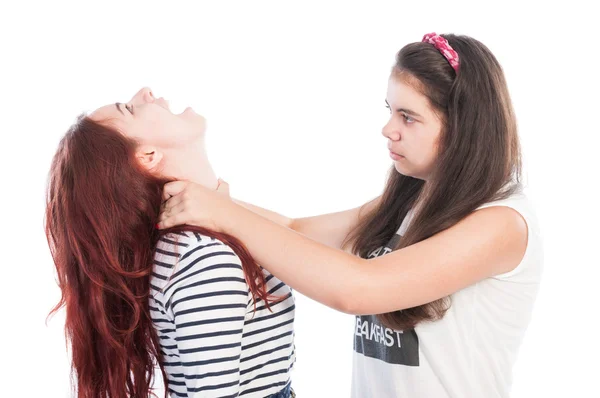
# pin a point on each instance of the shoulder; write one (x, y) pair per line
(498, 222)
(202, 267)
(487, 242)
(516, 213)
(193, 252)
(186, 243)
(513, 223)
(519, 202)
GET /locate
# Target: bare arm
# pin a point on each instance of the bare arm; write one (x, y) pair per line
(268, 214)
(488, 242)
(330, 229)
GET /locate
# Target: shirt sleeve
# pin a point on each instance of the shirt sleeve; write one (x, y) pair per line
(208, 299)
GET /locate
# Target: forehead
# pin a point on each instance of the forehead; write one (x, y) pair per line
(405, 89)
(405, 92)
(107, 112)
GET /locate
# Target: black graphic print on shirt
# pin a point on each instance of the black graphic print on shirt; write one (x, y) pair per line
(374, 340)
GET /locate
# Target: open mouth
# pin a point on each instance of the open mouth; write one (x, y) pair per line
(163, 103)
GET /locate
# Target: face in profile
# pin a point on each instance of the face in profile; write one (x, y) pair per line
(413, 129)
(149, 121)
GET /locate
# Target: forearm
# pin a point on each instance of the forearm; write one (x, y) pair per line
(327, 275)
(268, 214)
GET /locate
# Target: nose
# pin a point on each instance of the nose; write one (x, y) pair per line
(390, 132)
(143, 96)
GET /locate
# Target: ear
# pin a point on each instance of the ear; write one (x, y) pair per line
(149, 157)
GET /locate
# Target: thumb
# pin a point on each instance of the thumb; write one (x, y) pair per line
(223, 187)
(173, 188)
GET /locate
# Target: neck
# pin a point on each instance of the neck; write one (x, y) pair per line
(190, 163)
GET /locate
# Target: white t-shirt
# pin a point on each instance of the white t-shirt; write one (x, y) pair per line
(468, 353)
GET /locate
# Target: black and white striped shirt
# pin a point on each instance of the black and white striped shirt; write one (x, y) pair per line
(213, 343)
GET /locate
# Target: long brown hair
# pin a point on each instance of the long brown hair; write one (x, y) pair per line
(479, 158)
(102, 208)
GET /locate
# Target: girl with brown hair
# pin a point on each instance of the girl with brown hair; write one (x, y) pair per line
(441, 270)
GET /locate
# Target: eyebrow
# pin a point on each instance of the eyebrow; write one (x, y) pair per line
(117, 104)
(407, 111)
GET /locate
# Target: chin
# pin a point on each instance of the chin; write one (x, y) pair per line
(401, 169)
(198, 121)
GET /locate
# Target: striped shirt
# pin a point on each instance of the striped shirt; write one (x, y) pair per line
(212, 341)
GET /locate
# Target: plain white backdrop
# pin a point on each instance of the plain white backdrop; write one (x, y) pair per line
(294, 97)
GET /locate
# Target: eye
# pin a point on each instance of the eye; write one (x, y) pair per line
(407, 118)
(388, 107)
(129, 108)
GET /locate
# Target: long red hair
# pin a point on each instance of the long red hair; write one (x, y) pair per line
(102, 208)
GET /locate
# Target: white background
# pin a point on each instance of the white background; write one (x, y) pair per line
(294, 97)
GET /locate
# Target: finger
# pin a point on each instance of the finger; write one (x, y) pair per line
(172, 221)
(178, 212)
(173, 188)
(171, 211)
(172, 202)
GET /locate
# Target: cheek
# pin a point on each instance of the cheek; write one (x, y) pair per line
(150, 132)
(156, 132)
(168, 130)
(184, 131)
(430, 145)
(422, 156)
(432, 151)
